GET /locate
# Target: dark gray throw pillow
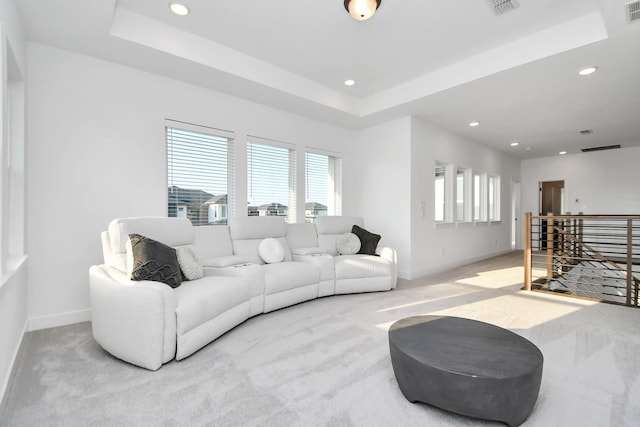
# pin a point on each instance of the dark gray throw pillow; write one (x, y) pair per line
(155, 261)
(368, 241)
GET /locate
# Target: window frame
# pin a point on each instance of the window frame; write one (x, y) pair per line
(199, 134)
(446, 189)
(493, 197)
(291, 179)
(333, 184)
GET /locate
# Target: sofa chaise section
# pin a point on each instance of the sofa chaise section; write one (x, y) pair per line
(358, 272)
(148, 323)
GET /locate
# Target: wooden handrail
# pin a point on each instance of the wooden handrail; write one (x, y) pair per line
(527, 251)
(566, 246)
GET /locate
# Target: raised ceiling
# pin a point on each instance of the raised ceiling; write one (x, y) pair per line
(447, 62)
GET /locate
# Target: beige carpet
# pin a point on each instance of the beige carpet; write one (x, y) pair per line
(326, 363)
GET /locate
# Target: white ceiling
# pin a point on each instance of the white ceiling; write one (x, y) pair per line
(448, 62)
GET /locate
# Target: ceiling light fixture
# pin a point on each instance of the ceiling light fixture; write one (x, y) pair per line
(179, 9)
(515, 143)
(474, 124)
(361, 10)
(587, 71)
(562, 153)
(349, 82)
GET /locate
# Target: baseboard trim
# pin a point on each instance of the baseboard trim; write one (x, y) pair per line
(60, 319)
(11, 368)
(449, 266)
(404, 275)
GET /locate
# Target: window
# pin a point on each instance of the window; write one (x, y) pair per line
(444, 192)
(494, 197)
(271, 174)
(199, 173)
(323, 185)
(12, 168)
(479, 196)
(440, 189)
(461, 178)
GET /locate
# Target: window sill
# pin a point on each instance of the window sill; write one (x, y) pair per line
(496, 222)
(464, 224)
(443, 225)
(14, 264)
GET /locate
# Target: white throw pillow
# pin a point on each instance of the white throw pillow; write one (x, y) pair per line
(271, 251)
(189, 263)
(348, 244)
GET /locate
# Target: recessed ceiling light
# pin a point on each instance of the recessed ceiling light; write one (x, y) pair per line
(562, 153)
(515, 143)
(474, 124)
(349, 82)
(179, 9)
(587, 71)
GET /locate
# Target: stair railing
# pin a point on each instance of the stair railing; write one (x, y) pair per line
(585, 256)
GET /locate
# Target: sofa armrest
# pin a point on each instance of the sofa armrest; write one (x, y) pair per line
(134, 321)
(391, 255)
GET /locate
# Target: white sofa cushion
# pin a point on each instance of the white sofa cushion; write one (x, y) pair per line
(247, 233)
(302, 236)
(289, 275)
(257, 227)
(204, 299)
(190, 265)
(271, 250)
(361, 266)
(212, 241)
(170, 231)
(348, 244)
(330, 228)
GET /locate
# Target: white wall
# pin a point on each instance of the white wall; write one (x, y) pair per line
(602, 182)
(436, 248)
(391, 174)
(97, 152)
(378, 180)
(13, 279)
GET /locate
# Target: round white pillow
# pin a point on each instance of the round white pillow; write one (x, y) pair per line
(348, 244)
(190, 265)
(271, 250)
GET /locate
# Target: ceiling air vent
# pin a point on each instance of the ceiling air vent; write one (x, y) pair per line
(633, 11)
(604, 147)
(503, 6)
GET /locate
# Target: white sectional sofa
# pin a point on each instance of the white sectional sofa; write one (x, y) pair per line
(148, 323)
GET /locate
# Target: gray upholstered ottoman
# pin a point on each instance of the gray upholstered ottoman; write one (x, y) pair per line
(467, 367)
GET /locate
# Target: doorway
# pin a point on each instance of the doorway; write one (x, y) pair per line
(516, 229)
(551, 201)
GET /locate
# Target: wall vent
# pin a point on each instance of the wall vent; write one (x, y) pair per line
(586, 131)
(503, 6)
(632, 11)
(604, 147)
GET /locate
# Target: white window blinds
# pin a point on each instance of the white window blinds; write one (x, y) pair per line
(323, 185)
(199, 173)
(271, 175)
